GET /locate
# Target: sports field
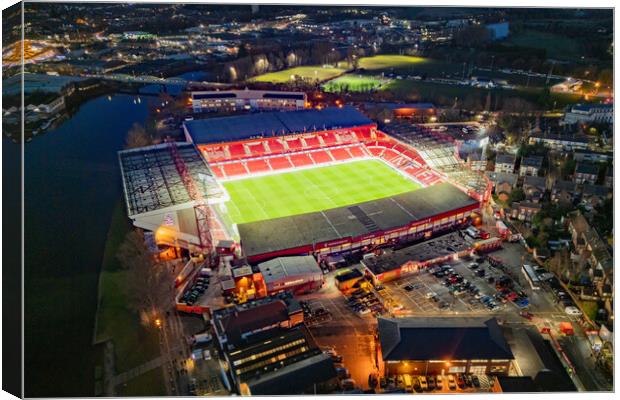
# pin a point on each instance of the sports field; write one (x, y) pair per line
(354, 83)
(310, 190)
(311, 72)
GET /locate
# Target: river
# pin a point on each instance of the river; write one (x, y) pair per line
(72, 185)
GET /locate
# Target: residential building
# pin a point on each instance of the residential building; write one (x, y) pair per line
(563, 192)
(559, 142)
(584, 113)
(476, 162)
(586, 173)
(525, 210)
(592, 156)
(505, 163)
(530, 165)
(594, 195)
(534, 188)
(446, 345)
(503, 183)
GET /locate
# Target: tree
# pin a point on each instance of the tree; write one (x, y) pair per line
(137, 137)
(150, 284)
(472, 36)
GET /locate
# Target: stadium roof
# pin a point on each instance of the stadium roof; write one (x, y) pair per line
(227, 129)
(282, 267)
(442, 338)
(151, 181)
(352, 221)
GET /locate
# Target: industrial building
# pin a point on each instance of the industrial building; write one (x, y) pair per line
(266, 350)
(244, 100)
(405, 217)
(443, 345)
(300, 274)
(165, 186)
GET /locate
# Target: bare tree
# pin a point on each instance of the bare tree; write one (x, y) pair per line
(137, 137)
(150, 283)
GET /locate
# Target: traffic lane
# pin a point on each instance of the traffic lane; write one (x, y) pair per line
(578, 352)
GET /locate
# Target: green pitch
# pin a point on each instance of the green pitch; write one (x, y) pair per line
(310, 190)
(311, 72)
(353, 83)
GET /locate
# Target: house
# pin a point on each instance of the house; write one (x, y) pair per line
(594, 195)
(525, 210)
(586, 173)
(505, 163)
(534, 188)
(444, 345)
(503, 183)
(563, 192)
(592, 156)
(559, 142)
(530, 165)
(584, 113)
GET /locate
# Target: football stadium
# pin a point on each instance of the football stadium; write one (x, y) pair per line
(319, 182)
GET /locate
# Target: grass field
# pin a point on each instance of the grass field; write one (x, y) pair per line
(353, 83)
(312, 72)
(558, 47)
(387, 61)
(310, 190)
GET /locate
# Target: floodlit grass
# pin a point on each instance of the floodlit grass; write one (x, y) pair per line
(311, 72)
(354, 83)
(311, 190)
(387, 61)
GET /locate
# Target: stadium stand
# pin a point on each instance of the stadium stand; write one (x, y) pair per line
(278, 163)
(301, 159)
(340, 154)
(234, 169)
(321, 157)
(257, 166)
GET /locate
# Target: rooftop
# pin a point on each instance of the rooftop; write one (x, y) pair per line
(241, 127)
(439, 247)
(564, 185)
(586, 168)
(282, 267)
(595, 190)
(443, 338)
(532, 161)
(352, 221)
(505, 159)
(151, 180)
(537, 181)
(503, 177)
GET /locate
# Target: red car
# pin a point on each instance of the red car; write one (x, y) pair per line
(484, 234)
(527, 315)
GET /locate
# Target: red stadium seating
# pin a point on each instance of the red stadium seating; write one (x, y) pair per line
(329, 139)
(256, 149)
(275, 146)
(321, 157)
(279, 163)
(340, 154)
(259, 165)
(234, 169)
(357, 151)
(301, 159)
(312, 142)
(237, 151)
(294, 144)
(218, 171)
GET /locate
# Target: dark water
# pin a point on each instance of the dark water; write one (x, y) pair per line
(72, 184)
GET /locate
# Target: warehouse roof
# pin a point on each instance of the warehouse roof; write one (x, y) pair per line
(442, 338)
(151, 180)
(227, 129)
(352, 221)
(282, 267)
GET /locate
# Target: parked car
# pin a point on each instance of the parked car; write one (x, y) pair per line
(439, 382)
(460, 381)
(475, 381)
(348, 384)
(408, 383)
(431, 382)
(574, 311)
(451, 382)
(423, 382)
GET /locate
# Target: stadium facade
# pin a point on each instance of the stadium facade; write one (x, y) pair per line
(244, 100)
